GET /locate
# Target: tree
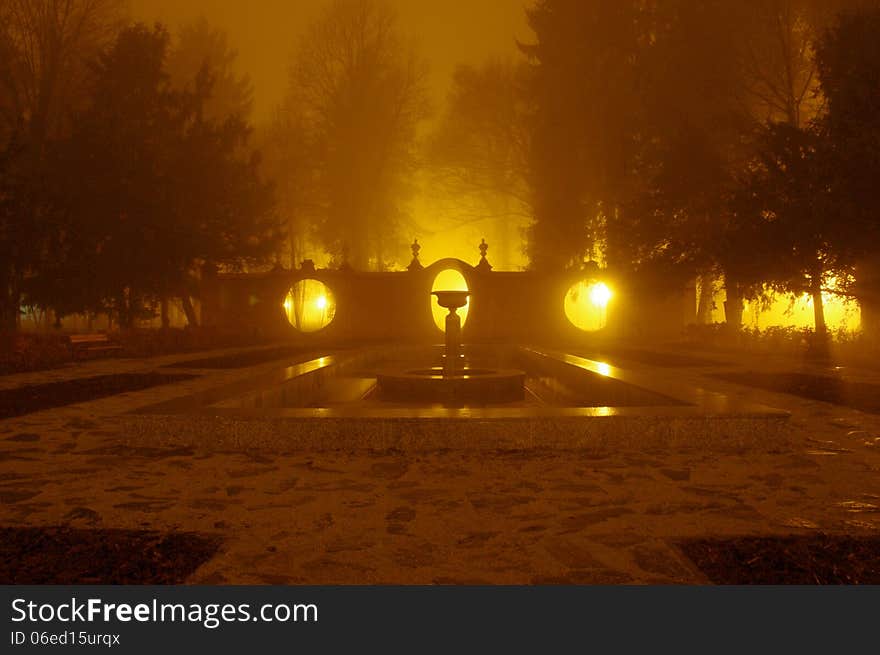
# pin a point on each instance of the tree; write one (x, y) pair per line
(288, 163)
(50, 44)
(477, 155)
(849, 67)
(356, 88)
(789, 194)
(202, 49)
(45, 50)
(146, 188)
(712, 74)
(777, 50)
(690, 146)
(584, 125)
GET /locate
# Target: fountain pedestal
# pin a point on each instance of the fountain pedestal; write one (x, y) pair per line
(453, 301)
(454, 383)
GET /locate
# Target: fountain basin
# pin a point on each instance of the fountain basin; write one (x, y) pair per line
(451, 299)
(466, 385)
(331, 403)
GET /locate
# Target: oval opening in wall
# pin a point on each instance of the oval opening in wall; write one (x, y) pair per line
(586, 305)
(310, 305)
(448, 280)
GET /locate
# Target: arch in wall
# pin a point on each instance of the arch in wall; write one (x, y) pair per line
(433, 272)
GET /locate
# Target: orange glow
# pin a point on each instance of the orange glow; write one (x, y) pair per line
(309, 306)
(586, 305)
(448, 280)
(777, 310)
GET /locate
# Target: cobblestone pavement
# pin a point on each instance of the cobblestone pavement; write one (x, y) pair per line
(509, 517)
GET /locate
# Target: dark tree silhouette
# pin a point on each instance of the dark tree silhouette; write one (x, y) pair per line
(146, 189)
(692, 143)
(849, 70)
(583, 84)
(356, 87)
(789, 193)
(45, 50)
(477, 155)
(287, 161)
(200, 48)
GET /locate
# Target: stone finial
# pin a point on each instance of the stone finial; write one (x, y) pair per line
(484, 264)
(307, 266)
(415, 264)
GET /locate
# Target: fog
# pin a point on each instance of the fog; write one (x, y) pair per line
(706, 154)
(265, 33)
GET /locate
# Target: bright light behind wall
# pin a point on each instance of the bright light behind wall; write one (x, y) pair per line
(600, 294)
(842, 314)
(586, 305)
(309, 306)
(448, 280)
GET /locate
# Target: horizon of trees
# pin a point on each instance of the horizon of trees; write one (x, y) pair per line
(663, 140)
(675, 140)
(125, 163)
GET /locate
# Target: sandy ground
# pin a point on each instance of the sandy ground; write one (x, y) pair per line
(445, 517)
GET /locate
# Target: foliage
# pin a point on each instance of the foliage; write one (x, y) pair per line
(787, 196)
(652, 150)
(26, 351)
(357, 91)
(477, 155)
(287, 161)
(45, 50)
(32, 352)
(200, 49)
(849, 67)
(583, 82)
(146, 188)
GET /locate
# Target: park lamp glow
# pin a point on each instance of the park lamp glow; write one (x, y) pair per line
(600, 294)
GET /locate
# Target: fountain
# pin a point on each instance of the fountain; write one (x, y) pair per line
(453, 301)
(454, 382)
(484, 396)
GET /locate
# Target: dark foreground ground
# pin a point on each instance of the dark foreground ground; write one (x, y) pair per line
(69, 486)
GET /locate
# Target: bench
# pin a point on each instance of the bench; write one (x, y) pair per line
(86, 344)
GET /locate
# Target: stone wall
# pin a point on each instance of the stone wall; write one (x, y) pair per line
(505, 306)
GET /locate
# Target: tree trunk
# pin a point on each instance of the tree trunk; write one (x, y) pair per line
(868, 296)
(126, 309)
(819, 311)
(10, 303)
(707, 293)
(819, 349)
(166, 320)
(10, 311)
(189, 310)
(733, 307)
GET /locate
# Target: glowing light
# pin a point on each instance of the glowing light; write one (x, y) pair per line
(586, 305)
(774, 311)
(448, 280)
(309, 306)
(603, 369)
(600, 294)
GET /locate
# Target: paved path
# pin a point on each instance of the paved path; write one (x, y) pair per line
(515, 517)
